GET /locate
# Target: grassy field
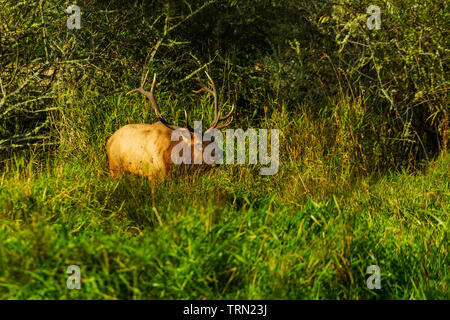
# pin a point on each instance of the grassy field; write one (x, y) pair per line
(308, 232)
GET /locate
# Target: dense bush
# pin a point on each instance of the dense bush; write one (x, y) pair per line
(316, 56)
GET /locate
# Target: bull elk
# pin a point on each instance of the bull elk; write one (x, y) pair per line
(145, 149)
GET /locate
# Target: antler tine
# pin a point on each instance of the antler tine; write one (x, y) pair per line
(216, 107)
(203, 89)
(224, 125)
(228, 115)
(218, 127)
(143, 83)
(150, 96)
(217, 112)
(145, 78)
(210, 80)
(187, 121)
(212, 92)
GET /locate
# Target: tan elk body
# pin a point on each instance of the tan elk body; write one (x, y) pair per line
(146, 149)
(141, 149)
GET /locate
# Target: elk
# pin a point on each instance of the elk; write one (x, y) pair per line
(145, 149)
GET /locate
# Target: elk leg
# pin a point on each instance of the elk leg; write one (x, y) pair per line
(114, 169)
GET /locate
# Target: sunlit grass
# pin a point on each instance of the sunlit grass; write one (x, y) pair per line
(308, 232)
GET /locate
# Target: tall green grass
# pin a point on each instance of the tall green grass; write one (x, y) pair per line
(308, 232)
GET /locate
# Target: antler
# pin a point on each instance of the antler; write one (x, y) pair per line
(150, 97)
(187, 121)
(212, 91)
(225, 118)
